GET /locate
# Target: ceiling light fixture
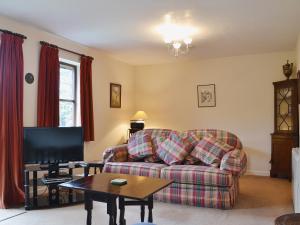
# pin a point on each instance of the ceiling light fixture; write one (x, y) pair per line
(178, 37)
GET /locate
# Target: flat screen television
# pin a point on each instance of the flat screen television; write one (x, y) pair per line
(52, 145)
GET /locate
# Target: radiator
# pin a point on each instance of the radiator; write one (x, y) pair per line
(296, 178)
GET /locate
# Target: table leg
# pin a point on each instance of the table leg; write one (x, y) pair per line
(34, 186)
(142, 213)
(27, 191)
(150, 207)
(112, 211)
(86, 171)
(88, 203)
(122, 211)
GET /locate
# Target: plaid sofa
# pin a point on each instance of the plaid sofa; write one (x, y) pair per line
(196, 185)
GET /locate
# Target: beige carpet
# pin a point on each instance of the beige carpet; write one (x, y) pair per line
(261, 200)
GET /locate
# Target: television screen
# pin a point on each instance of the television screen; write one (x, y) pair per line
(53, 145)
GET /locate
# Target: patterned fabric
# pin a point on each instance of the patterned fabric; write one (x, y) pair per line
(190, 138)
(134, 168)
(154, 132)
(190, 160)
(174, 149)
(210, 150)
(225, 136)
(235, 162)
(200, 195)
(156, 141)
(204, 175)
(140, 146)
(116, 154)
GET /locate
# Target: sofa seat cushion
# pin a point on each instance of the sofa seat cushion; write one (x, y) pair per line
(204, 175)
(134, 168)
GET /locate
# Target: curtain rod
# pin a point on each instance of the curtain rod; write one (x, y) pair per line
(63, 49)
(10, 32)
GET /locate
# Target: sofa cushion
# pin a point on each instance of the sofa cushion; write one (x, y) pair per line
(204, 175)
(210, 150)
(190, 138)
(174, 149)
(134, 168)
(140, 146)
(156, 141)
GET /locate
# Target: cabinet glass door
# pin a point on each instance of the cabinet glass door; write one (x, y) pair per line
(284, 119)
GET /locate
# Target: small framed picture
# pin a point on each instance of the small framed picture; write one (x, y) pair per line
(206, 95)
(115, 95)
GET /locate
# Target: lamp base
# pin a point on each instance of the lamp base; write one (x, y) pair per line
(137, 125)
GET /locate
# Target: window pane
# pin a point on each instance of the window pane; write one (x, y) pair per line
(66, 114)
(67, 83)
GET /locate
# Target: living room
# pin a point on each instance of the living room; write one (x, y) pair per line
(238, 48)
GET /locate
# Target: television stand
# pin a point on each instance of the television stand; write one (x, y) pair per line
(55, 197)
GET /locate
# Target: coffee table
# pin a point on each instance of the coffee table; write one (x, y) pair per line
(98, 188)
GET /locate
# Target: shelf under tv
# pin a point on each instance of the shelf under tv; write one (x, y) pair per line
(43, 191)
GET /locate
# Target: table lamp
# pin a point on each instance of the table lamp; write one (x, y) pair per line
(138, 120)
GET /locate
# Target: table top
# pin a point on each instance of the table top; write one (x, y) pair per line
(288, 219)
(137, 187)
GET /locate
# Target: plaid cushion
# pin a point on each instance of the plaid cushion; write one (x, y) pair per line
(225, 136)
(134, 168)
(191, 138)
(234, 161)
(210, 150)
(140, 146)
(116, 154)
(156, 141)
(204, 175)
(200, 195)
(174, 149)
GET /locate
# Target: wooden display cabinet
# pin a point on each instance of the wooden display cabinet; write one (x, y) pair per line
(286, 127)
(286, 133)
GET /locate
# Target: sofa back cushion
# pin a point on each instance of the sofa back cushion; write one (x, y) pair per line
(222, 135)
(211, 150)
(140, 146)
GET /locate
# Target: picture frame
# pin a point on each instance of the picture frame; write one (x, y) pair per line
(115, 95)
(206, 95)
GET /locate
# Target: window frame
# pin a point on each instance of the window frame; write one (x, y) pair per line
(74, 67)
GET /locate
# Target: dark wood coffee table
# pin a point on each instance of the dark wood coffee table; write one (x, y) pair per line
(98, 188)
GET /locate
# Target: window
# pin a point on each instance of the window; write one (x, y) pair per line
(67, 95)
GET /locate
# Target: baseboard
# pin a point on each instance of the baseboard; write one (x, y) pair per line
(258, 173)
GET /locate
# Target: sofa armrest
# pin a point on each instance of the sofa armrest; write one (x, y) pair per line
(235, 161)
(117, 153)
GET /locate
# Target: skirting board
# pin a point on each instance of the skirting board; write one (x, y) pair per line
(258, 173)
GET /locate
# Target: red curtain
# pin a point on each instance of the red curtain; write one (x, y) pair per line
(48, 87)
(86, 98)
(11, 120)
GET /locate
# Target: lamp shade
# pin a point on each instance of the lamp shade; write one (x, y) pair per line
(139, 116)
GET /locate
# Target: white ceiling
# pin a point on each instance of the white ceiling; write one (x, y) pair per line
(125, 28)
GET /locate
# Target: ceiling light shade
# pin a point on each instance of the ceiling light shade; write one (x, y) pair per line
(176, 45)
(178, 37)
(188, 41)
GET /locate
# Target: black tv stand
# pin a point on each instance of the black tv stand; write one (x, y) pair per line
(51, 180)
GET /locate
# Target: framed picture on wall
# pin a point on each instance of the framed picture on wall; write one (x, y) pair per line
(115, 95)
(206, 95)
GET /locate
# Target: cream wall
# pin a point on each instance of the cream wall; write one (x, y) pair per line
(110, 124)
(244, 95)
